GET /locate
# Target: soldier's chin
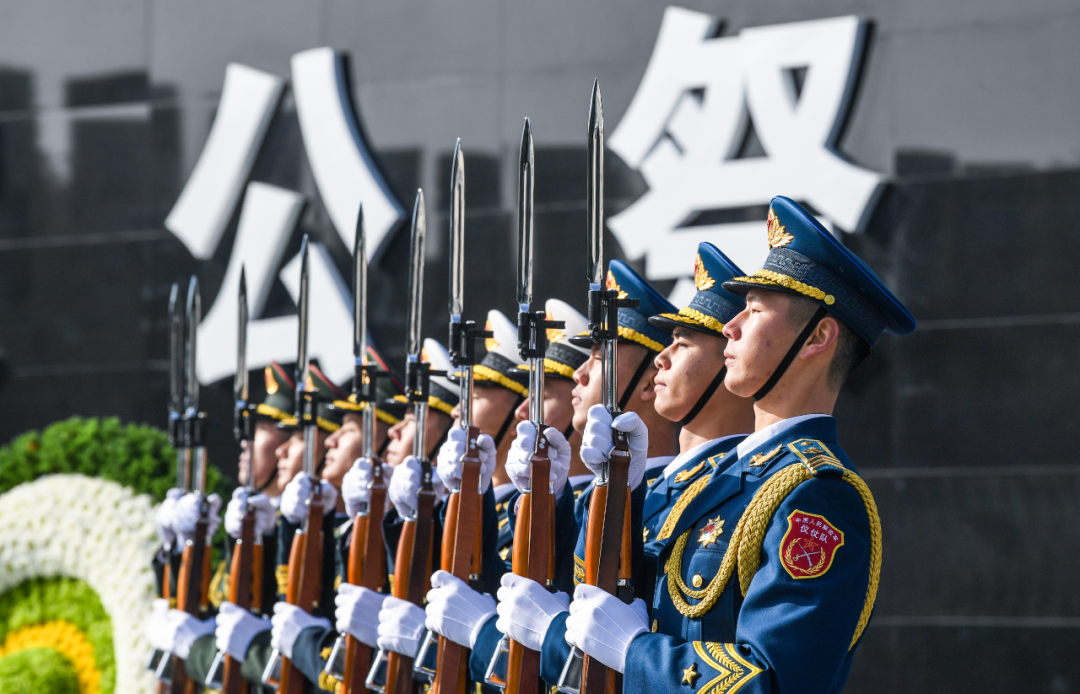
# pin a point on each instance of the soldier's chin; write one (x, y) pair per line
(738, 384)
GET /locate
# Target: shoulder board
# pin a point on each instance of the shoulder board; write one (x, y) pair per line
(816, 456)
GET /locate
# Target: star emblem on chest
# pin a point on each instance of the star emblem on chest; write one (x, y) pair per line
(690, 674)
(712, 530)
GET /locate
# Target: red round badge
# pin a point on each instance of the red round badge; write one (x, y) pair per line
(809, 545)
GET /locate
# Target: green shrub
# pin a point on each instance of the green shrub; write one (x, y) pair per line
(135, 455)
(37, 671)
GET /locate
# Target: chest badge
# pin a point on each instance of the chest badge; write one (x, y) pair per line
(809, 545)
(712, 530)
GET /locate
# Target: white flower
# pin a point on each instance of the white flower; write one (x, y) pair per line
(99, 532)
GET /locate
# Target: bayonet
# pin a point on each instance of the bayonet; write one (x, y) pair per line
(526, 179)
(457, 233)
(594, 199)
(305, 580)
(414, 548)
(416, 276)
(607, 565)
(176, 383)
(535, 524)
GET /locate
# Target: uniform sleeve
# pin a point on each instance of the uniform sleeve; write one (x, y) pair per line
(200, 658)
(483, 650)
(258, 655)
(555, 650)
(308, 653)
(795, 627)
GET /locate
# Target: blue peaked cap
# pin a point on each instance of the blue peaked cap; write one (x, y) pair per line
(634, 323)
(712, 306)
(805, 259)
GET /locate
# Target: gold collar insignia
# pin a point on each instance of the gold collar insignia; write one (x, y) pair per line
(687, 474)
(762, 458)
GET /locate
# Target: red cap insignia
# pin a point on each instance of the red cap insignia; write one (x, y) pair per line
(809, 545)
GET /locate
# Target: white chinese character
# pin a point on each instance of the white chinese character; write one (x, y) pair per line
(805, 529)
(692, 112)
(344, 174)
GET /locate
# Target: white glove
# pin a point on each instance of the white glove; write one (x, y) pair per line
(405, 485)
(265, 513)
(295, 497)
(187, 513)
(287, 623)
(452, 452)
(455, 610)
(163, 517)
(519, 460)
(596, 442)
(182, 630)
(526, 610)
(603, 626)
(400, 625)
(357, 613)
(356, 486)
(236, 627)
(155, 626)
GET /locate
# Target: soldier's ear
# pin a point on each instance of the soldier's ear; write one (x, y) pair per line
(822, 340)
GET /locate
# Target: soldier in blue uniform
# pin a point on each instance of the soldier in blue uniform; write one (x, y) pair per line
(687, 389)
(771, 569)
(456, 611)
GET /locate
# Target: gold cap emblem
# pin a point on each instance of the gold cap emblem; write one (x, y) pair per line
(553, 334)
(778, 236)
(271, 382)
(612, 284)
(701, 276)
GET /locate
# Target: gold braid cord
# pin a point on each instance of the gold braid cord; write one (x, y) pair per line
(744, 547)
(688, 495)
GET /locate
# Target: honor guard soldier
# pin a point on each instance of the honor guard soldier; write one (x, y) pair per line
(454, 610)
(771, 570)
(235, 627)
(312, 639)
(526, 609)
(687, 387)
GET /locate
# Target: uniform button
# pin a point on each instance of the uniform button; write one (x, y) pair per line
(696, 580)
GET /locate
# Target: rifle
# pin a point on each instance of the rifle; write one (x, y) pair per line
(245, 574)
(305, 556)
(194, 578)
(534, 529)
(176, 440)
(463, 532)
(607, 543)
(412, 566)
(350, 659)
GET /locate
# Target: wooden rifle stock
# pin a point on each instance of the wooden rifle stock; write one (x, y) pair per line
(461, 557)
(367, 568)
(414, 565)
(305, 578)
(189, 597)
(607, 535)
(240, 594)
(533, 548)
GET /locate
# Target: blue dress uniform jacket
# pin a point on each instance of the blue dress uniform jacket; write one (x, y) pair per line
(655, 496)
(789, 624)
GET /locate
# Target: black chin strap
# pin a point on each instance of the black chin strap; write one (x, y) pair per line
(790, 356)
(381, 453)
(569, 431)
(696, 410)
(632, 384)
(510, 417)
